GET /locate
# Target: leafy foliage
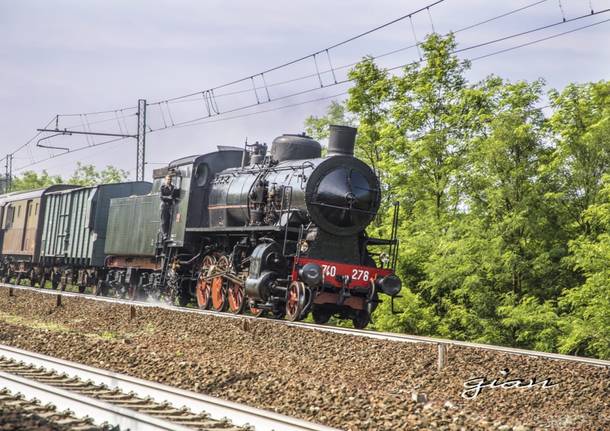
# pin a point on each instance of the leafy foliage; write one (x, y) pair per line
(31, 180)
(504, 222)
(85, 175)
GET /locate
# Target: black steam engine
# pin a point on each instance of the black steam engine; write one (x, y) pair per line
(287, 234)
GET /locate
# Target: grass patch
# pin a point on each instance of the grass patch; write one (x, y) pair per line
(32, 323)
(149, 328)
(109, 335)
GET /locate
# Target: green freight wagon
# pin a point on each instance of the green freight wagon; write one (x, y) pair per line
(75, 223)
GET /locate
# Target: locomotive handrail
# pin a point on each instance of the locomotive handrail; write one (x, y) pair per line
(343, 208)
(289, 188)
(394, 247)
(380, 241)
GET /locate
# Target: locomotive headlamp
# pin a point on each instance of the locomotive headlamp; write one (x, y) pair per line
(304, 246)
(390, 285)
(311, 274)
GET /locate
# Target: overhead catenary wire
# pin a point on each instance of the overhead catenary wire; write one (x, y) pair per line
(109, 111)
(522, 45)
(28, 142)
(305, 57)
(215, 120)
(261, 74)
(326, 50)
(459, 50)
(523, 33)
(199, 120)
(382, 55)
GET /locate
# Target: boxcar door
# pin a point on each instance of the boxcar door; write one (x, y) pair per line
(24, 234)
(30, 226)
(63, 236)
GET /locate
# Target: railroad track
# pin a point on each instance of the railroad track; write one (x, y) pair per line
(22, 413)
(126, 401)
(333, 329)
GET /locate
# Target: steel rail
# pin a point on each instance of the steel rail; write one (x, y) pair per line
(216, 408)
(82, 406)
(388, 336)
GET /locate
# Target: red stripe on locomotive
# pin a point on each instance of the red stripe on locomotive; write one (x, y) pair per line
(359, 276)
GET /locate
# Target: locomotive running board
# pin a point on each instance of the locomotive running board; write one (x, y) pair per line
(240, 229)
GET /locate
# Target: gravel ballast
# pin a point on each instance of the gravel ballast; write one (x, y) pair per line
(349, 382)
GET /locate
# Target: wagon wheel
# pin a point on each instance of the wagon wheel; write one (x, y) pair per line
(361, 320)
(219, 288)
(321, 314)
(278, 313)
(136, 292)
(172, 286)
(256, 312)
(132, 291)
(295, 300)
(236, 297)
(100, 288)
(204, 287)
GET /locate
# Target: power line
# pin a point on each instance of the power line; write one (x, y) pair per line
(106, 120)
(251, 77)
(203, 120)
(29, 141)
(523, 33)
(305, 57)
(264, 111)
(109, 111)
(75, 150)
(215, 120)
(460, 50)
(291, 62)
(539, 40)
(511, 12)
(345, 66)
(255, 88)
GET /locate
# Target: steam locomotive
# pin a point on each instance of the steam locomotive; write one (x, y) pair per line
(281, 234)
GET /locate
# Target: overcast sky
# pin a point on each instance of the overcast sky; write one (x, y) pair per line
(76, 56)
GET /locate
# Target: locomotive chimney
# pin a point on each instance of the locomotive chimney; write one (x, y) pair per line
(341, 140)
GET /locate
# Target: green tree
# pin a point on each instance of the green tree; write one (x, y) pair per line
(586, 308)
(336, 113)
(505, 216)
(30, 180)
(581, 159)
(84, 175)
(581, 127)
(88, 175)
